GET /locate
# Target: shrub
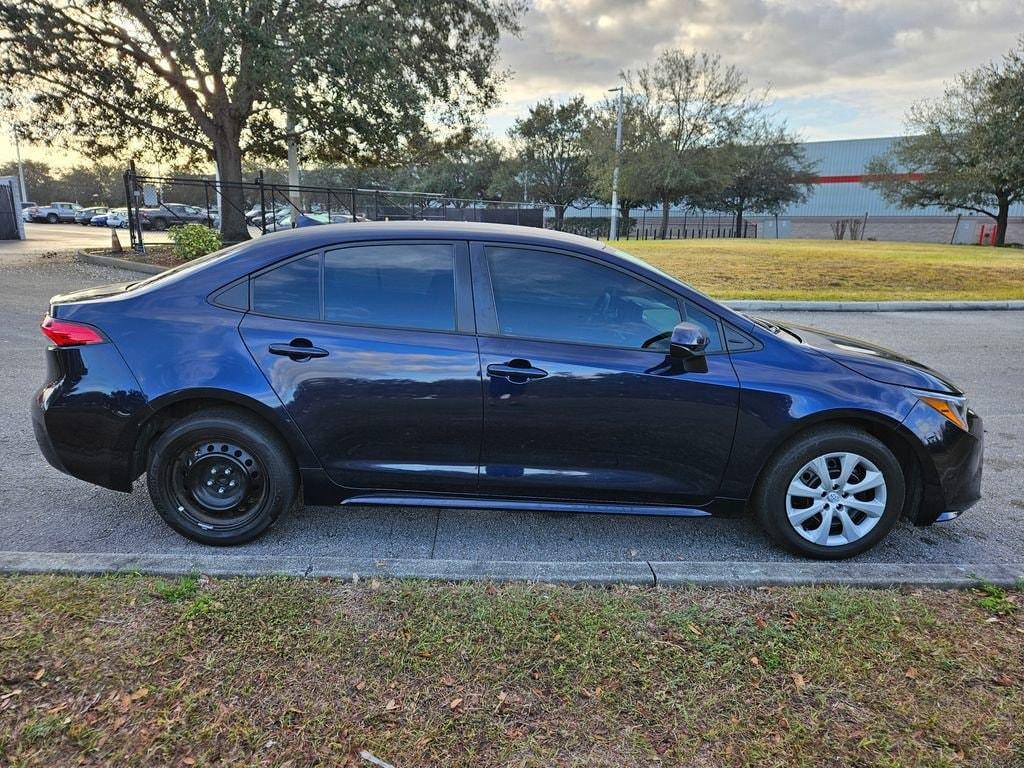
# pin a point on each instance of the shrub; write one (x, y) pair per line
(194, 240)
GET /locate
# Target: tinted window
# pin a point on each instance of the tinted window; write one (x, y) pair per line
(403, 285)
(291, 290)
(562, 298)
(708, 322)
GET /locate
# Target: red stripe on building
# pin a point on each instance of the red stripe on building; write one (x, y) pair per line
(861, 178)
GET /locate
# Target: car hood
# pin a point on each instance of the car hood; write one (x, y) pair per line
(873, 361)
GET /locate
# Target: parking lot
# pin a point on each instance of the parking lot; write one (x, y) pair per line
(45, 511)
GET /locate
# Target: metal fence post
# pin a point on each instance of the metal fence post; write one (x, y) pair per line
(263, 204)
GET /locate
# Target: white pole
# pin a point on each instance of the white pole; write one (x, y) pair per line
(293, 168)
(21, 170)
(614, 229)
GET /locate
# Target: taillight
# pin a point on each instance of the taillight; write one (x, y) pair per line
(67, 334)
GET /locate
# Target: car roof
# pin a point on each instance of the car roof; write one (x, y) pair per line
(314, 237)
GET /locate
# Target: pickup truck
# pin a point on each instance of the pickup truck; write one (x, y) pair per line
(52, 213)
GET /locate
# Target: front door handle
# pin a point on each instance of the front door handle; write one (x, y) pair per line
(298, 350)
(516, 371)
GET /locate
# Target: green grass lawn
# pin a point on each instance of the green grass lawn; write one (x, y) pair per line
(142, 671)
(829, 269)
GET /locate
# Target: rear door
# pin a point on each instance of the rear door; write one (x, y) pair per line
(581, 399)
(371, 347)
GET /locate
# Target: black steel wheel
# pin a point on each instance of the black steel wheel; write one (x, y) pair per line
(221, 477)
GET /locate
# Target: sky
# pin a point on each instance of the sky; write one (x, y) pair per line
(834, 68)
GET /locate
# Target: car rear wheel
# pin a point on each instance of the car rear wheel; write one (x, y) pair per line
(832, 493)
(159, 224)
(221, 477)
(52, 218)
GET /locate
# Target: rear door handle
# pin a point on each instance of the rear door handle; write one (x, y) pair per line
(518, 374)
(298, 350)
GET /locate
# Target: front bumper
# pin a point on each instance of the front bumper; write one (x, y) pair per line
(951, 463)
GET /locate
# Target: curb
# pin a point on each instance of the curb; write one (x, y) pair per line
(126, 264)
(873, 306)
(723, 574)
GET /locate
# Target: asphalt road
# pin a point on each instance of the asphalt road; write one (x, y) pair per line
(42, 510)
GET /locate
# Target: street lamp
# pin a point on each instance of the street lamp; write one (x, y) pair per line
(613, 233)
(21, 170)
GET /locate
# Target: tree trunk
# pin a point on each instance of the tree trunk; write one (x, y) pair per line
(625, 206)
(559, 216)
(1002, 219)
(233, 228)
(666, 204)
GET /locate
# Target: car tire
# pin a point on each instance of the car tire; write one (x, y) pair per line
(221, 477)
(159, 224)
(52, 218)
(782, 492)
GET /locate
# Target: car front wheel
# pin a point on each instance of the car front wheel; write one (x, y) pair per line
(221, 477)
(832, 493)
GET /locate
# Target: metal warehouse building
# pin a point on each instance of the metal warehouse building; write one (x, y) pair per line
(840, 194)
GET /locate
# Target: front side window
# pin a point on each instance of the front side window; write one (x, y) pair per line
(556, 297)
(405, 285)
(291, 290)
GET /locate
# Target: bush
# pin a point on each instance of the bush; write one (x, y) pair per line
(194, 240)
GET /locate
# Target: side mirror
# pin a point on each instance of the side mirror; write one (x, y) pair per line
(688, 340)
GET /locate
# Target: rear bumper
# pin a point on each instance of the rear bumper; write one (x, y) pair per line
(952, 461)
(86, 426)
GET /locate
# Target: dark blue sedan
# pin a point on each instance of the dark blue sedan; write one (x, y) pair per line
(483, 366)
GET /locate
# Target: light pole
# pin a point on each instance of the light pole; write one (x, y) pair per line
(613, 232)
(21, 170)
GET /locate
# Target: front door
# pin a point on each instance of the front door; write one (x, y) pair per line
(581, 399)
(374, 357)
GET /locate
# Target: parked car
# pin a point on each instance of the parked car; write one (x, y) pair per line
(84, 216)
(99, 220)
(487, 366)
(53, 213)
(169, 214)
(117, 218)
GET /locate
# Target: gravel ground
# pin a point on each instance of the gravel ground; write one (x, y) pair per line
(42, 510)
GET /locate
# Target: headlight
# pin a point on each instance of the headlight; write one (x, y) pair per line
(953, 407)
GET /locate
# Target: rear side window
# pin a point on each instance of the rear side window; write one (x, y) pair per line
(291, 290)
(405, 285)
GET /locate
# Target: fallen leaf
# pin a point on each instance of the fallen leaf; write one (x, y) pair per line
(755, 661)
(454, 703)
(761, 623)
(798, 681)
(188, 760)
(694, 628)
(448, 680)
(360, 685)
(911, 673)
(391, 705)
(557, 637)
(1003, 679)
(139, 694)
(39, 674)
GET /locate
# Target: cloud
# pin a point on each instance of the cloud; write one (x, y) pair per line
(868, 59)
